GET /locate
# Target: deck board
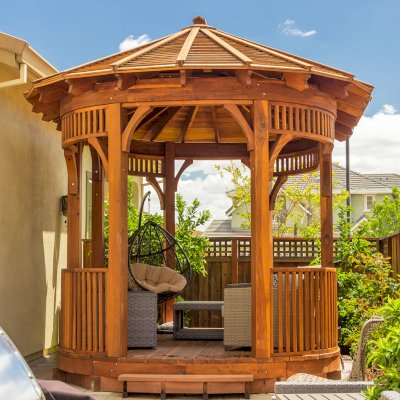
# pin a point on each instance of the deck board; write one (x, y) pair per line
(200, 351)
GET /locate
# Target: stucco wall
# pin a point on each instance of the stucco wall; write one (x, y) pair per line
(32, 229)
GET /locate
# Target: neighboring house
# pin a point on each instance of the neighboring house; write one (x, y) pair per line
(365, 190)
(32, 228)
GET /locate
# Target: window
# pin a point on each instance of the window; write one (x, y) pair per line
(368, 202)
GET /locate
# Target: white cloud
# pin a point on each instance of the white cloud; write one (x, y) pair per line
(375, 143)
(133, 41)
(288, 28)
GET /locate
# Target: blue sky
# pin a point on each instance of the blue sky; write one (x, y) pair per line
(359, 36)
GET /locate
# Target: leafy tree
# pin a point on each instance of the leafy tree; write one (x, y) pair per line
(385, 217)
(297, 206)
(189, 219)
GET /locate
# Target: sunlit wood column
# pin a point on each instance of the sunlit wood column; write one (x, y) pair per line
(261, 235)
(97, 256)
(169, 216)
(326, 206)
(117, 277)
(73, 161)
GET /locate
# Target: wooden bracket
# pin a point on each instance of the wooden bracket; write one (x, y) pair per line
(102, 150)
(133, 123)
(276, 148)
(215, 124)
(241, 120)
(154, 183)
(72, 171)
(79, 86)
(97, 168)
(246, 162)
(296, 81)
(244, 77)
(125, 81)
(185, 165)
(280, 181)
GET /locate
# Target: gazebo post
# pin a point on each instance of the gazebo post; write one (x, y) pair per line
(169, 215)
(326, 206)
(73, 161)
(117, 277)
(261, 235)
(97, 257)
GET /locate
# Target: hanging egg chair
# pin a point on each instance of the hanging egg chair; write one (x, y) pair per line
(157, 262)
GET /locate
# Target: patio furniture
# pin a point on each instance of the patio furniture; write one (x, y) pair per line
(237, 315)
(182, 333)
(156, 261)
(142, 319)
(57, 390)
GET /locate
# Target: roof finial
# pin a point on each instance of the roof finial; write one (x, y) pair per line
(199, 20)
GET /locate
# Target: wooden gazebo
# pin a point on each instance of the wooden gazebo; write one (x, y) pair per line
(197, 94)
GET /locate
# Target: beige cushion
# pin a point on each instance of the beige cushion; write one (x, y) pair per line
(158, 279)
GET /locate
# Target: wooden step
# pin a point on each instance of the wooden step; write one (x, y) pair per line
(193, 384)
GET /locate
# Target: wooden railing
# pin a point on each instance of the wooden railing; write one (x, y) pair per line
(304, 309)
(82, 327)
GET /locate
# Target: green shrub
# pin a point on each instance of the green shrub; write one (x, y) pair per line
(386, 352)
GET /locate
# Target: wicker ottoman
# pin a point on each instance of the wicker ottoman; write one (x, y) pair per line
(142, 319)
(237, 316)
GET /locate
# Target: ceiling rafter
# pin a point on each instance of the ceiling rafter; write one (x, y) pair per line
(160, 124)
(188, 123)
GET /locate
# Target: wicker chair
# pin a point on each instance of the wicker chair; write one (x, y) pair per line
(306, 383)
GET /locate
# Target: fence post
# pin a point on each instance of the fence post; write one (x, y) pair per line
(234, 261)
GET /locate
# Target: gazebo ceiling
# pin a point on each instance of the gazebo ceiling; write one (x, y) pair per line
(201, 51)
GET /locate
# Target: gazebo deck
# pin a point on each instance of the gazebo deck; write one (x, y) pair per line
(178, 351)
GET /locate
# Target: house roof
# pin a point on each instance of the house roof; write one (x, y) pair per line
(22, 53)
(223, 228)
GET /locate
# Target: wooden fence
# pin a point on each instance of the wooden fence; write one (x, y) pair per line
(83, 310)
(390, 247)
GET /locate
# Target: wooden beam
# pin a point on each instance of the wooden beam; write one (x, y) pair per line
(296, 81)
(188, 123)
(238, 54)
(117, 278)
(97, 255)
(182, 169)
(343, 129)
(244, 76)
(154, 183)
(102, 150)
(346, 119)
(215, 124)
(261, 236)
(241, 120)
(133, 123)
(169, 216)
(79, 86)
(187, 45)
(73, 161)
(157, 83)
(160, 123)
(326, 207)
(333, 87)
(280, 181)
(125, 81)
(195, 151)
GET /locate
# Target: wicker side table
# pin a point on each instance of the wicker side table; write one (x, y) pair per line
(142, 319)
